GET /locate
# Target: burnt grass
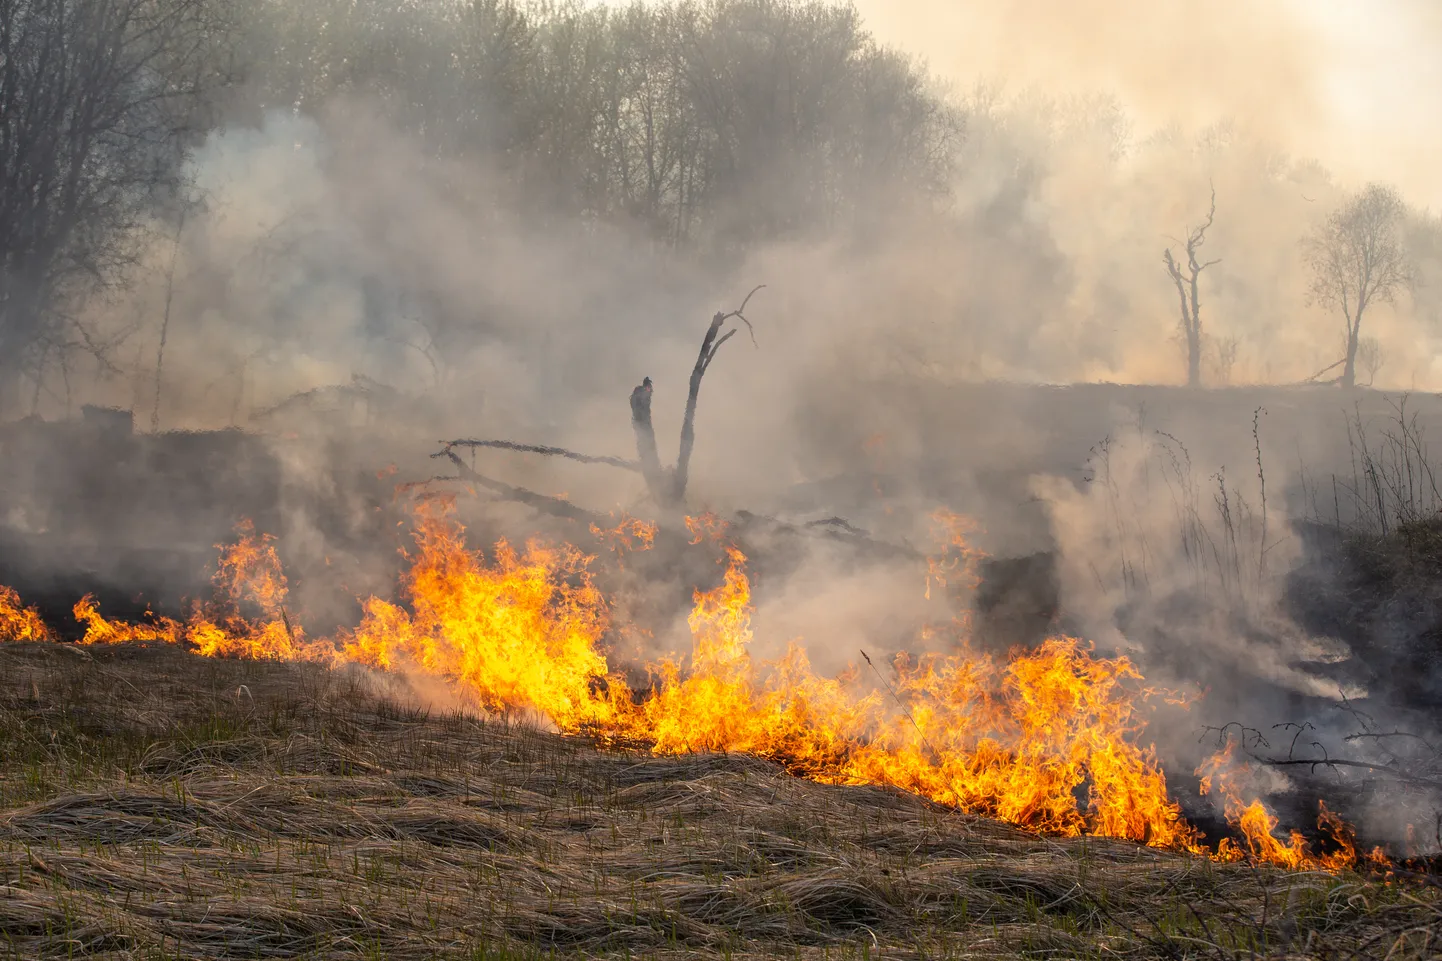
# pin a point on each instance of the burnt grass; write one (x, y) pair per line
(1381, 593)
(154, 804)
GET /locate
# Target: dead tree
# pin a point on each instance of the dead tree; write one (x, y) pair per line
(1185, 278)
(667, 486)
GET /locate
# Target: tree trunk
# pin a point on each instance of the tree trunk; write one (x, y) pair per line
(646, 453)
(1349, 371)
(1194, 358)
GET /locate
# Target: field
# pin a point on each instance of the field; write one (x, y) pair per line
(155, 804)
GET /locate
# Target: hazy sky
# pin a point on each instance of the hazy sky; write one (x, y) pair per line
(1356, 84)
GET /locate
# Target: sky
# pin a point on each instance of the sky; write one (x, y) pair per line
(1355, 84)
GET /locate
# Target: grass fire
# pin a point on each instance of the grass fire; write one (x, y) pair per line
(828, 479)
(1050, 740)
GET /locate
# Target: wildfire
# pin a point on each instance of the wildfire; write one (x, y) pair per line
(522, 634)
(630, 534)
(19, 623)
(956, 561)
(247, 574)
(1049, 739)
(1221, 774)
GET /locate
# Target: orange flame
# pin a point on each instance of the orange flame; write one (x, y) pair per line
(98, 630)
(1049, 739)
(522, 634)
(1257, 825)
(19, 623)
(248, 573)
(707, 527)
(956, 560)
(631, 534)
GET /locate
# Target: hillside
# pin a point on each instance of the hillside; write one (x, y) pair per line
(155, 804)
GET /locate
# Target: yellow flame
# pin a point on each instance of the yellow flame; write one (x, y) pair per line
(1258, 826)
(17, 622)
(1049, 739)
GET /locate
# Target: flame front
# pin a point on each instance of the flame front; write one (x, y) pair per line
(17, 622)
(1048, 739)
(1221, 774)
(522, 634)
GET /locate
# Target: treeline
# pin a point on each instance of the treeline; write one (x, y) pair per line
(711, 124)
(1004, 237)
(716, 123)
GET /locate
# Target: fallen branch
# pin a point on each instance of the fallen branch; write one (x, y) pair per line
(548, 451)
(556, 506)
(1313, 378)
(1334, 762)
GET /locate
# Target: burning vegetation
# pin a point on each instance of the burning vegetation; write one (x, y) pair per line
(1050, 739)
(935, 694)
(302, 771)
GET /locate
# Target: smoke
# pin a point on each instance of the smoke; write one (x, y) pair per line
(1340, 83)
(335, 277)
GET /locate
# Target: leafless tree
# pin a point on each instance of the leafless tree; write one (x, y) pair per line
(1370, 359)
(1185, 276)
(1357, 259)
(98, 100)
(1224, 357)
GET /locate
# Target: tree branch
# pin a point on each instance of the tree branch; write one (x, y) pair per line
(629, 465)
(556, 506)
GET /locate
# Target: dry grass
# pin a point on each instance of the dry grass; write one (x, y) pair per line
(158, 805)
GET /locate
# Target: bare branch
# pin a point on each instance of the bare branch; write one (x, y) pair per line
(629, 465)
(556, 506)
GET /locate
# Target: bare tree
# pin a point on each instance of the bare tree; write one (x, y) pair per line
(1224, 357)
(666, 485)
(1370, 359)
(1358, 259)
(98, 100)
(1185, 276)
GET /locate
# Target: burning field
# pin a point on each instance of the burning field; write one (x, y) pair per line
(472, 769)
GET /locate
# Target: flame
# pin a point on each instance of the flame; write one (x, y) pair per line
(631, 534)
(956, 560)
(248, 574)
(1258, 826)
(19, 623)
(706, 527)
(98, 630)
(522, 633)
(1050, 739)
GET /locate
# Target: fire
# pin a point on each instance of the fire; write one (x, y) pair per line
(98, 630)
(1258, 826)
(1020, 741)
(19, 623)
(247, 574)
(956, 561)
(631, 534)
(1016, 742)
(521, 634)
(1050, 739)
